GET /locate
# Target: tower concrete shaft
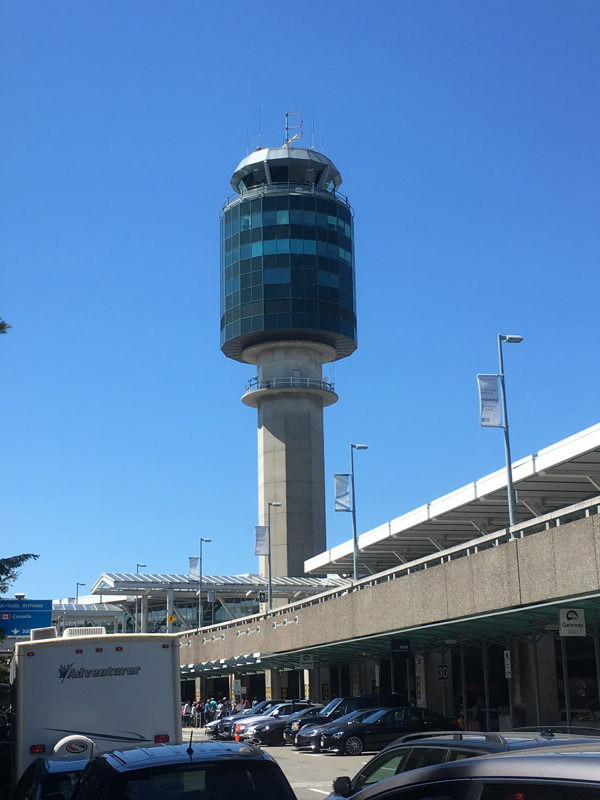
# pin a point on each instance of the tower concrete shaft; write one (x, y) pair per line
(290, 394)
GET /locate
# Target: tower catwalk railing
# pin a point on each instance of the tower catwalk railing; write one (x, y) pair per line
(283, 188)
(295, 383)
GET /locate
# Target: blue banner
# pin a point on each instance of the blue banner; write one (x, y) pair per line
(19, 617)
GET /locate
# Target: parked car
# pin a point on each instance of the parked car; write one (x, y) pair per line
(223, 728)
(341, 707)
(309, 737)
(563, 772)
(380, 728)
(270, 731)
(45, 777)
(424, 750)
(217, 770)
(242, 727)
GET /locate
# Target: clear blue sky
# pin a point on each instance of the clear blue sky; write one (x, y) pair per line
(466, 132)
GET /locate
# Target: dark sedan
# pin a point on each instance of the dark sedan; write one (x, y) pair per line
(381, 728)
(49, 777)
(309, 737)
(215, 770)
(270, 732)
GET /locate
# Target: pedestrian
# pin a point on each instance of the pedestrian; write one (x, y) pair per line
(187, 713)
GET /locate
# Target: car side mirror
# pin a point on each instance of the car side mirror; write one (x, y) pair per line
(276, 712)
(342, 786)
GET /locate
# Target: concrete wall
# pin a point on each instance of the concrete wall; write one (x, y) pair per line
(560, 562)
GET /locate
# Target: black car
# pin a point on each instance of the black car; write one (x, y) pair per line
(244, 727)
(381, 728)
(309, 737)
(270, 731)
(216, 770)
(424, 750)
(341, 707)
(224, 728)
(563, 772)
(48, 777)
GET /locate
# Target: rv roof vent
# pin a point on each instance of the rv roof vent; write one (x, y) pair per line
(70, 633)
(42, 633)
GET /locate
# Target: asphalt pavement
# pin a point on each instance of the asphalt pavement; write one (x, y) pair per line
(310, 774)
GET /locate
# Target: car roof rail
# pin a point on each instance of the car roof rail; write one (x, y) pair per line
(550, 730)
(496, 738)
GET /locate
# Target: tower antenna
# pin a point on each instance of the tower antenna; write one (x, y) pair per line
(289, 127)
(247, 145)
(259, 127)
(312, 147)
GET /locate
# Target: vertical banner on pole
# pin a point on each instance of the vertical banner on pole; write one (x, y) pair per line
(342, 492)
(489, 401)
(261, 547)
(194, 567)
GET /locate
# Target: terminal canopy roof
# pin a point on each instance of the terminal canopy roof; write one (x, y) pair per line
(563, 474)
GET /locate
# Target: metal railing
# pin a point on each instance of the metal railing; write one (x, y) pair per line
(548, 521)
(285, 383)
(282, 188)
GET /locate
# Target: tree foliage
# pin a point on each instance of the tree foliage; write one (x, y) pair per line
(4, 326)
(9, 569)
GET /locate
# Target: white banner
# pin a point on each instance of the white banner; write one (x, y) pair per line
(489, 401)
(342, 492)
(194, 565)
(260, 540)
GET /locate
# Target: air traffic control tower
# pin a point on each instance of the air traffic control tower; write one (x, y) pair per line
(288, 306)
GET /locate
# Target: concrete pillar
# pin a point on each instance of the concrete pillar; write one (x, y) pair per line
(439, 692)
(420, 681)
(272, 684)
(170, 607)
(524, 691)
(314, 692)
(198, 688)
(355, 677)
(144, 625)
(290, 450)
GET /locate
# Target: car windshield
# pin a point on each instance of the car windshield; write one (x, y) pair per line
(354, 716)
(260, 780)
(61, 783)
(333, 704)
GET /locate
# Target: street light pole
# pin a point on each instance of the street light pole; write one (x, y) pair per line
(269, 576)
(354, 447)
(137, 572)
(200, 584)
(77, 591)
(512, 500)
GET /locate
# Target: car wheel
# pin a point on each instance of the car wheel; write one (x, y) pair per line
(277, 738)
(353, 746)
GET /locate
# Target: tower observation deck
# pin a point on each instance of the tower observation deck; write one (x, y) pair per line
(288, 306)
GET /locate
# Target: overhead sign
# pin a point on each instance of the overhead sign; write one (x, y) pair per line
(211, 596)
(571, 622)
(400, 647)
(307, 661)
(237, 686)
(442, 672)
(262, 597)
(342, 492)
(507, 664)
(260, 541)
(19, 617)
(489, 401)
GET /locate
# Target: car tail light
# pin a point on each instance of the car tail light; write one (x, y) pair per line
(37, 748)
(161, 738)
(31, 653)
(79, 651)
(119, 649)
(457, 726)
(295, 726)
(165, 646)
(99, 649)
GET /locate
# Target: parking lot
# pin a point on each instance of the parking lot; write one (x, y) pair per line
(310, 774)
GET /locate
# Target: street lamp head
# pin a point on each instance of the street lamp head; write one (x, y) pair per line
(80, 584)
(140, 565)
(512, 339)
(275, 505)
(205, 540)
(360, 446)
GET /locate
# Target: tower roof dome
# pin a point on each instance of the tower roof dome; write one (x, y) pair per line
(286, 165)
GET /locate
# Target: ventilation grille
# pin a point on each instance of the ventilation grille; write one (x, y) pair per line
(70, 633)
(277, 306)
(232, 315)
